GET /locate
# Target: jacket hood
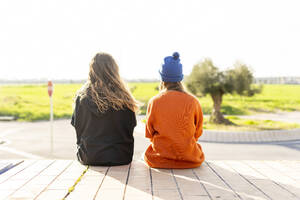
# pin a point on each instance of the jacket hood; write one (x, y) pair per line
(88, 102)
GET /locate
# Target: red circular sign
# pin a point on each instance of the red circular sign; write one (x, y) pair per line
(50, 88)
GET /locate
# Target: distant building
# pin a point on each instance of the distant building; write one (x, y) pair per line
(277, 80)
(260, 80)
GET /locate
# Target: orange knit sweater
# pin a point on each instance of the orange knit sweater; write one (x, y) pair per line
(174, 124)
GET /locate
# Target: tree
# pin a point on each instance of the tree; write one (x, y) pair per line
(206, 78)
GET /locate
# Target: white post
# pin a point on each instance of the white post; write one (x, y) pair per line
(50, 92)
(51, 124)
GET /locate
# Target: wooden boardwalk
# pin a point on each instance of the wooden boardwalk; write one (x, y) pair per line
(53, 179)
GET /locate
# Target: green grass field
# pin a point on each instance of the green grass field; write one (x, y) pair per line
(273, 98)
(31, 102)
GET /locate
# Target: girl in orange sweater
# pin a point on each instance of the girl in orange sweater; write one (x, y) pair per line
(174, 122)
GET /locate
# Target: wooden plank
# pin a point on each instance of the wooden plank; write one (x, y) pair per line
(214, 184)
(280, 178)
(46, 179)
(52, 194)
(244, 170)
(292, 164)
(164, 185)
(88, 187)
(19, 180)
(18, 169)
(274, 185)
(286, 182)
(189, 186)
(243, 188)
(114, 184)
(139, 182)
(62, 183)
(39, 183)
(288, 168)
(4, 193)
(6, 165)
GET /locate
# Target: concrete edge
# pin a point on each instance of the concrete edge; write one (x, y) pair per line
(250, 137)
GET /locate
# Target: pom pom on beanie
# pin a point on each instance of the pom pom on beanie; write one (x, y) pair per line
(175, 55)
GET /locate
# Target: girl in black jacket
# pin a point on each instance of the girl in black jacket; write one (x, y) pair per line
(104, 116)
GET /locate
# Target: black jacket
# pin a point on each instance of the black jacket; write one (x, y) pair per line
(103, 138)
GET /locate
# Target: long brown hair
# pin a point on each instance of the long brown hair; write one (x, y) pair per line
(106, 87)
(177, 86)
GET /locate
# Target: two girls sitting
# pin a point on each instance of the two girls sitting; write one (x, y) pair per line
(104, 119)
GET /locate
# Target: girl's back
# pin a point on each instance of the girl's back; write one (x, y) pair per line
(103, 138)
(104, 116)
(174, 122)
(174, 126)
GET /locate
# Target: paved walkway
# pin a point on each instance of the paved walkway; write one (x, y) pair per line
(27, 140)
(258, 136)
(250, 137)
(208, 135)
(58, 179)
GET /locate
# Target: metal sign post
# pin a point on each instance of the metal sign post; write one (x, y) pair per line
(50, 92)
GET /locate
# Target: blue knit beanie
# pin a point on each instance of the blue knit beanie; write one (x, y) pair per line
(172, 69)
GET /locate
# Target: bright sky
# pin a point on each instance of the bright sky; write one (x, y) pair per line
(58, 38)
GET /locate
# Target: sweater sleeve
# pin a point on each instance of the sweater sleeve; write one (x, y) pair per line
(75, 119)
(134, 120)
(198, 119)
(149, 120)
